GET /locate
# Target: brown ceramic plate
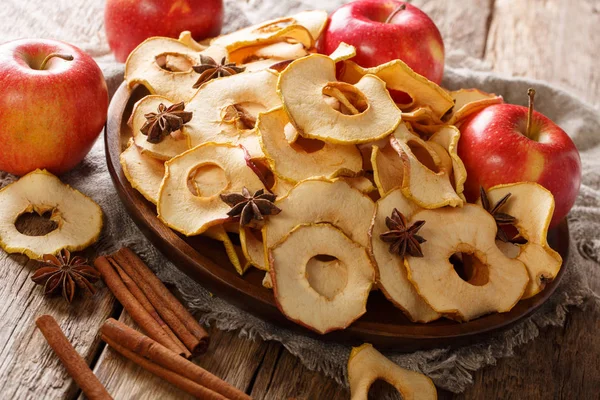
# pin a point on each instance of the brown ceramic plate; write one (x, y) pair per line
(205, 261)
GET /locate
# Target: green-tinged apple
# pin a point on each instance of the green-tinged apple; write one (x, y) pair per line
(129, 22)
(53, 105)
(385, 30)
(506, 143)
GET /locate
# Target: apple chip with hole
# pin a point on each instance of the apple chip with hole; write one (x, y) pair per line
(400, 77)
(78, 218)
(164, 66)
(469, 101)
(318, 309)
(392, 275)
(491, 281)
(447, 139)
(225, 109)
(366, 365)
(189, 199)
(533, 206)
(170, 145)
(144, 173)
(367, 111)
(422, 180)
(304, 158)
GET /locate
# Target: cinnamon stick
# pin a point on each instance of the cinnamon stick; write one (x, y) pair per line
(73, 362)
(181, 382)
(139, 295)
(146, 347)
(139, 271)
(132, 305)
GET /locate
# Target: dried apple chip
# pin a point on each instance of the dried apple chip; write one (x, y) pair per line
(193, 212)
(78, 218)
(301, 302)
(448, 137)
(392, 276)
(343, 52)
(360, 183)
(253, 247)
(144, 173)
(164, 66)
(533, 206)
(302, 86)
(366, 365)
(500, 281)
(469, 101)
(399, 76)
(388, 169)
(217, 232)
(295, 162)
(313, 20)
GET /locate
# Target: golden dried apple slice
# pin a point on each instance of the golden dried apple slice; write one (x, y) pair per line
(469, 101)
(399, 76)
(186, 38)
(388, 169)
(448, 137)
(423, 115)
(169, 146)
(295, 162)
(313, 20)
(366, 365)
(266, 32)
(423, 181)
(360, 183)
(225, 109)
(144, 173)
(302, 86)
(218, 232)
(78, 218)
(294, 295)
(392, 276)
(253, 247)
(532, 205)
(271, 53)
(500, 281)
(193, 213)
(343, 52)
(164, 66)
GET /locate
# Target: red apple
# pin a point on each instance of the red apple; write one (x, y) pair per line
(52, 108)
(129, 22)
(506, 143)
(385, 30)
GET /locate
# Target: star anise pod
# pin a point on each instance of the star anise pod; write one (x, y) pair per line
(403, 238)
(499, 217)
(251, 209)
(166, 121)
(209, 69)
(65, 273)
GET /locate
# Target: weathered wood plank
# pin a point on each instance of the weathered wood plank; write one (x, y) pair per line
(230, 357)
(28, 367)
(549, 40)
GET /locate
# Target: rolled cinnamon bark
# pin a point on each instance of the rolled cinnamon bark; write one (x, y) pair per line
(132, 305)
(146, 347)
(139, 271)
(73, 362)
(181, 382)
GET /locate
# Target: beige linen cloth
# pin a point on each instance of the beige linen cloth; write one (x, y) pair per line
(81, 23)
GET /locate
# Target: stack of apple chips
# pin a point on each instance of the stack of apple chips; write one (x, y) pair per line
(333, 187)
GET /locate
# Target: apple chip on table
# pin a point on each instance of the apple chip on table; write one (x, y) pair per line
(333, 188)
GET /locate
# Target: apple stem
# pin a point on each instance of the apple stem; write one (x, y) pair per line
(401, 7)
(66, 57)
(531, 94)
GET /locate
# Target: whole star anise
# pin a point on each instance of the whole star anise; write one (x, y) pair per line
(65, 273)
(164, 122)
(251, 209)
(500, 218)
(403, 238)
(209, 69)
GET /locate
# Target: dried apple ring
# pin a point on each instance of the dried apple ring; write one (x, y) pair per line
(144, 173)
(366, 365)
(294, 295)
(302, 87)
(533, 206)
(193, 213)
(143, 67)
(399, 76)
(78, 218)
(472, 230)
(294, 162)
(469, 101)
(392, 276)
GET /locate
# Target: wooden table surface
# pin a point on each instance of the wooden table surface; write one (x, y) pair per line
(544, 39)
